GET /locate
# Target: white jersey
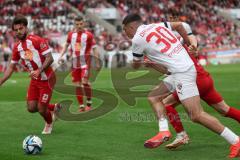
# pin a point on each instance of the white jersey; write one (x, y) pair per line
(160, 45)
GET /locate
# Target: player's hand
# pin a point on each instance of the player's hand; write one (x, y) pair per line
(35, 74)
(192, 49)
(60, 61)
(147, 62)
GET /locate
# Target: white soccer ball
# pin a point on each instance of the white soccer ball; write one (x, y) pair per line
(32, 144)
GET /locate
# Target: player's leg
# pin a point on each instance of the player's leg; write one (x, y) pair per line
(214, 99)
(155, 98)
(87, 88)
(227, 111)
(32, 97)
(54, 108)
(194, 109)
(32, 106)
(187, 90)
(43, 103)
(77, 81)
(170, 103)
(182, 138)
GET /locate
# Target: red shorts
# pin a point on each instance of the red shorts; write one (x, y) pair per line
(207, 90)
(41, 91)
(79, 73)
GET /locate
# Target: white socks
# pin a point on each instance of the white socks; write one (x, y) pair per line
(231, 137)
(181, 134)
(81, 106)
(163, 124)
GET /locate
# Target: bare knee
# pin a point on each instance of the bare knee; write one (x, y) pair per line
(195, 118)
(31, 110)
(32, 107)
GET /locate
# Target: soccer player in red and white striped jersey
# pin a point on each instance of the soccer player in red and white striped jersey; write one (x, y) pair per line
(81, 43)
(36, 57)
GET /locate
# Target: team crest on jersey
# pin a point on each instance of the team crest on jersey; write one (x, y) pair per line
(28, 55)
(77, 47)
(43, 45)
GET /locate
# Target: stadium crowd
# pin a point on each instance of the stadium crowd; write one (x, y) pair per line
(53, 17)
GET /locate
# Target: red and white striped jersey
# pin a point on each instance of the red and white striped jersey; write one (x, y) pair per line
(31, 51)
(81, 44)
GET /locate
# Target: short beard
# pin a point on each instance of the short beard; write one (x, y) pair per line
(23, 37)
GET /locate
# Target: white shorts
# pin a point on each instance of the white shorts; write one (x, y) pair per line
(184, 83)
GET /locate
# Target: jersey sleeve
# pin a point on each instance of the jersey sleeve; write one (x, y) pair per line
(187, 28)
(42, 46)
(137, 50)
(167, 25)
(15, 56)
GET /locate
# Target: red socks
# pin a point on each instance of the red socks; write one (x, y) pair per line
(51, 107)
(174, 118)
(79, 95)
(88, 91)
(234, 114)
(48, 117)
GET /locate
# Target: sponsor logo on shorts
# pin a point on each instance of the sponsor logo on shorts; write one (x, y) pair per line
(45, 98)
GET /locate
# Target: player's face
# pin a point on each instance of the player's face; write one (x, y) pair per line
(20, 31)
(79, 25)
(129, 30)
(173, 18)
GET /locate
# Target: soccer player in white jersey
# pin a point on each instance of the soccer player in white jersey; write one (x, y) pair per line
(161, 46)
(36, 57)
(81, 42)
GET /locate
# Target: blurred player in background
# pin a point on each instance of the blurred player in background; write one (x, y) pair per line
(36, 57)
(161, 46)
(81, 42)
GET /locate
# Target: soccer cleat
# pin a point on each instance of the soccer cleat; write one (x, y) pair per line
(57, 108)
(180, 140)
(81, 109)
(88, 108)
(48, 128)
(157, 140)
(235, 150)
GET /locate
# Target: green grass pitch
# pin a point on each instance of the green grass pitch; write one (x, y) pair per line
(118, 135)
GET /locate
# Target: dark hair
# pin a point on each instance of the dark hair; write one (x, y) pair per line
(131, 18)
(78, 19)
(20, 19)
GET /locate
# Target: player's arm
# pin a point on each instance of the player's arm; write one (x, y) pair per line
(137, 49)
(97, 58)
(185, 31)
(157, 67)
(65, 47)
(14, 61)
(48, 61)
(193, 47)
(137, 63)
(8, 73)
(193, 39)
(178, 26)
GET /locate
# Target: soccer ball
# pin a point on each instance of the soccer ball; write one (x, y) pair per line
(32, 144)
